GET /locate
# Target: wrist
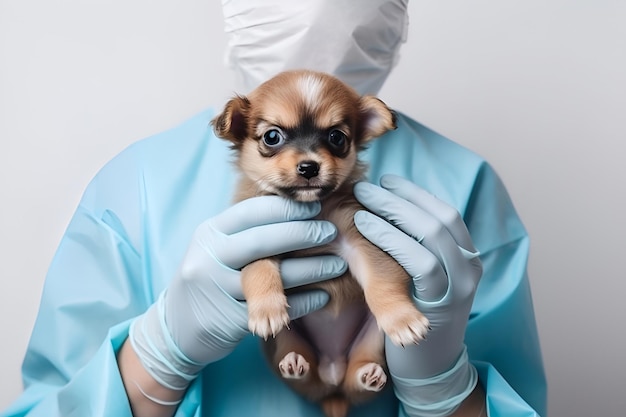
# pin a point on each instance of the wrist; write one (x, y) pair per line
(146, 396)
(157, 352)
(440, 395)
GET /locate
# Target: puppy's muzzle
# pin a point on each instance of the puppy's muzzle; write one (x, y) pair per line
(308, 169)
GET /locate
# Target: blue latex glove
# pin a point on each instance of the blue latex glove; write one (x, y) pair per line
(199, 319)
(430, 240)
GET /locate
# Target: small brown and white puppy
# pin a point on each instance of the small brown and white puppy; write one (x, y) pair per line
(297, 136)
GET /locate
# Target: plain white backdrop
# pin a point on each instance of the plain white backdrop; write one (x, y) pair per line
(538, 87)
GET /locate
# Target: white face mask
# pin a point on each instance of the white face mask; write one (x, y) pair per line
(356, 40)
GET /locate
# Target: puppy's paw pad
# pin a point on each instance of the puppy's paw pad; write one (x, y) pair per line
(371, 377)
(293, 366)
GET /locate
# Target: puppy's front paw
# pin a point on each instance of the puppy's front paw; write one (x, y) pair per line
(404, 326)
(293, 366)
(371, 377)
(268, 316)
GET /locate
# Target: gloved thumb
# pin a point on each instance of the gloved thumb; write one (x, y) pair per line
(303, 303)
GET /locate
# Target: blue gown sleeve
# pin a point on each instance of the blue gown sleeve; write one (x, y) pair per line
(98, 281)
(88, 296)
(502, 337)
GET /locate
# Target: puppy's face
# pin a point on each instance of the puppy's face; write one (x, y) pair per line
(297, 135)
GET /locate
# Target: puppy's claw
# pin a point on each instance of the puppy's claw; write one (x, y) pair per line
(405, 329)
(265, 328)
(268, 317)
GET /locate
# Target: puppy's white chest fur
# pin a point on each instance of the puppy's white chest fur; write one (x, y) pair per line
(348, 251)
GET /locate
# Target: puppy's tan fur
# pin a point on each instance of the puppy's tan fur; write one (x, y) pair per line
(334, 356)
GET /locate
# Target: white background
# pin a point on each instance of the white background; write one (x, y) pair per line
(538, 87)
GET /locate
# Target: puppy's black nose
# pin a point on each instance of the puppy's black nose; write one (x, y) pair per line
(308, 169)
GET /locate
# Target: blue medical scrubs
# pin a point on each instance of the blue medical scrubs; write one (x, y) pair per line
(130, 231)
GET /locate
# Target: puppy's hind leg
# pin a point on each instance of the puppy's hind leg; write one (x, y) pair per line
(366, 373)
(295, 360)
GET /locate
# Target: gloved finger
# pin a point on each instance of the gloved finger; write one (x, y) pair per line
(446, 214)
(295, 272)
(301, 271)
(303, 303)
(429, 278)
(409, 218)
(263, 210)
(239, 249)
(448, 221)
(396, 210)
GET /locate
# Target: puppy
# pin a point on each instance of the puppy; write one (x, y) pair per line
(297, 136)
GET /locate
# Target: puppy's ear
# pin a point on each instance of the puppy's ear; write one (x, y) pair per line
(232, 123)
(376, 118)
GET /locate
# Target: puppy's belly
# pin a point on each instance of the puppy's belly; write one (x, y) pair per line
(334, 329)
(332, 332)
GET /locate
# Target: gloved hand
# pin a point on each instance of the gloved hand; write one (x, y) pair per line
(199, 319)
(430, 240)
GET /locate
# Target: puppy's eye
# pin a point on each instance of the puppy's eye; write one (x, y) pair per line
(273, 138)
(337, 138)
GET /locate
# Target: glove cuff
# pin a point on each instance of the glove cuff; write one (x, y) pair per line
(158, 353)
(438, 396)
